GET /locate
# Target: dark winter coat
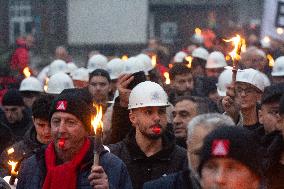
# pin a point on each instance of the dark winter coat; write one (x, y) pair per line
(20, 128)
(22, 150)
(5, 136)
(180, 180)
(141, 168)
(33, 171)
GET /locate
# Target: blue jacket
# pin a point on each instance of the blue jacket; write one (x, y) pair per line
(33, 171)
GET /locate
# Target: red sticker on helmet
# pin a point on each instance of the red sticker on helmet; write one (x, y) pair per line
(220, 147)
(61, 105)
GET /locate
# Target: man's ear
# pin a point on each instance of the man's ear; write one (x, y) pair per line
(132, 118)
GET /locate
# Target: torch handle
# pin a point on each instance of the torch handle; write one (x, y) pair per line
(12, 179)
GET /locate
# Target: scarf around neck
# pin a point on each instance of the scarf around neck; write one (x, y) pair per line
(63, 176)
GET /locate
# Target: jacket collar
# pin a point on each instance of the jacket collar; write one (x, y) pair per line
(136, 153)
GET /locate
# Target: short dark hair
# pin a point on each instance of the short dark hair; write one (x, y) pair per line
(203, 104)
(178, 69)
(198, 62)
(41, 106)
(100, 72)
(272, 93)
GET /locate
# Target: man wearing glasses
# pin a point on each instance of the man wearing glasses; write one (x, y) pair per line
(244, 97)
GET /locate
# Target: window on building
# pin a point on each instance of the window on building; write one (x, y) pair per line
(20, 18)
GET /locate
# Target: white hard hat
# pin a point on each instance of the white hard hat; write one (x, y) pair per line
(147, 93)
(224, 79)
(198, 39)
(58, 82)
(265, 42)
(278, 68)
(115, 67)
(201, 53)
(180, 56)
(134, 64)
(57, 66)
(216, 59)
(97, 61)
(71, 66)
(81, 74)
(147, 62)
(253, 77)
(31, 84)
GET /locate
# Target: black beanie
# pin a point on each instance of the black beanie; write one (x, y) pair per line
(12, 98)
(73, 105)
(232, 142)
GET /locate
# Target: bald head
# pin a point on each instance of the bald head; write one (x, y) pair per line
(61, 53)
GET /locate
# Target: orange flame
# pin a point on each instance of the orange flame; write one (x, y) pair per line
(13, 165)
(243, 45)
(46, 84)
(197, 31)
(270, 60)
(154, 60)
(124, 57)
(237, 43)
(189, 60)
(167, 76)
(27, 72)
(96, 121)
(10, 151)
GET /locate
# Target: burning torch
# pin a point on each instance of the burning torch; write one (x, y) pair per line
(14, 171)
(97, 125)
(237, 42)
(27, 72)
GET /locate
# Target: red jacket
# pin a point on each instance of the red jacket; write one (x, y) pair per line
(20, 58)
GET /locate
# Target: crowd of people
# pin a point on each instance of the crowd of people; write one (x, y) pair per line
(169, 122)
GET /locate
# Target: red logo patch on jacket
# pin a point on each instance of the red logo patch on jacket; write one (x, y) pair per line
(220, 147)
(61, 105)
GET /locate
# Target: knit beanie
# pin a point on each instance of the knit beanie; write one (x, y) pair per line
(73, 105)
(232, 142)
(12, 98)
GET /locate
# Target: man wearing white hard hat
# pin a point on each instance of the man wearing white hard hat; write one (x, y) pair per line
(215, 64)
(30, 89)
(115, 67)
(58, 82)
(200, 56)
(97, 61)
(278, 70)
(249, 88)
(80, 77)
(57, 66)
(149, 151)
(180, 57)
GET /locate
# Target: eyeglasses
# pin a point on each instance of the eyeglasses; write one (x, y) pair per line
(246, 90)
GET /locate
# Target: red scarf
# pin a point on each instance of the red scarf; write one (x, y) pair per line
(63, 176)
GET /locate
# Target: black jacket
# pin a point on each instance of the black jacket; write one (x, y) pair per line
(20, 128)
(22, 149)
(33, 171)
(141, 168)
(181, 180)
(5, 136)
